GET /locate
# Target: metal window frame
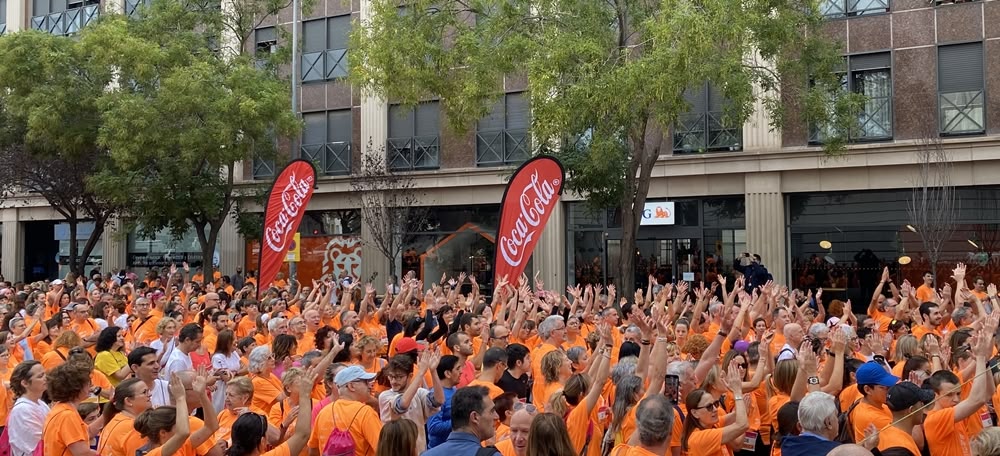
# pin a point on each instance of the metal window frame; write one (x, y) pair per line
(833, 9)
(333, 158)
(504, 146)
(817, 137)
(706, 128)
(413, 152)
(326, 64)
(982, 94)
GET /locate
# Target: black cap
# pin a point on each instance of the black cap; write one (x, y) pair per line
(904, 395)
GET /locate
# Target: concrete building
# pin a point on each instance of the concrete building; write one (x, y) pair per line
(931, 71)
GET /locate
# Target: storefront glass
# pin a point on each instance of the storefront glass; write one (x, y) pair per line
(331, 246)
(705, 236)
(841, 241)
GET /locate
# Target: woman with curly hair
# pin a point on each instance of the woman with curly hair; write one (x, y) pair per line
(60, 349)
(64, 431)
(556, 369)
(111, 359)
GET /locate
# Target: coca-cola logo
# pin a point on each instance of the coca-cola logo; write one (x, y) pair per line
(292, 199)
(536, 200)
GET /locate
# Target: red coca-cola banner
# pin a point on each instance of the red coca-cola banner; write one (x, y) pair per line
(528, 201)
(286, 205)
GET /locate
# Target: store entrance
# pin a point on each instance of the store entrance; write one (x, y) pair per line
(668, 260)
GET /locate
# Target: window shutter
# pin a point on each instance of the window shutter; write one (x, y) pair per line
(400, 121)
(960, 67)
(517, 111)
(339, 125)
(870, 61)
(494, 119)
(265, 35)
(697, 97)
(428, 121)
(338, 30)
(314, 131)
(314, 36)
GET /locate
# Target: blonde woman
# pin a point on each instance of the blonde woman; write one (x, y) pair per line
(166, 330)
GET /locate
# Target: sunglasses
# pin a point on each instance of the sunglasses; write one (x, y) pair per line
(523, 405)
(710, 407)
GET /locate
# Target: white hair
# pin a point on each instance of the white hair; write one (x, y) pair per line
(818, 328)
(547, 325)
(815, 410)
(272, 324)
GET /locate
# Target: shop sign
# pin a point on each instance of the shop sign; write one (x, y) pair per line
(660, 213)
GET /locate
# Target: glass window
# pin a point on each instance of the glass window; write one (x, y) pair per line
(265, 43)
(455, 239)
(321, 223)
(324, 48)
(326, 140)
(847, 8)
(961, 90)
(162, 249)
(502, 135)
(3, 16)
(414, 136)
(869, 75)
(60, 17)
(701, 128)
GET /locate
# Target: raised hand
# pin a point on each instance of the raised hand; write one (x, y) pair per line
(958, 274)
(733, 379)
(871, 437)
(176, 386)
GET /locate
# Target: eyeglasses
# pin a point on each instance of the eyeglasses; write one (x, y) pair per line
(523, 405)
(710, 407)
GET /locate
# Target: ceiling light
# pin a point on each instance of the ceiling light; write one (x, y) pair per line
(904, 259)
(911, 228)
(825, 244)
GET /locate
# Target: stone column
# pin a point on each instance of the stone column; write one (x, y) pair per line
(549, 258)
(115, 244)
(16, 21)
(765, 222)
(12, 265)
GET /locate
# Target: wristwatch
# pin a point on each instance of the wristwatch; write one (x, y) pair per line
(813, 380)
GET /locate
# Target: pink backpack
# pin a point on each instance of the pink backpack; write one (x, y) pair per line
(340, 442)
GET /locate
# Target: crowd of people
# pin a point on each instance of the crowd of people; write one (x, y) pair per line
(179, 364)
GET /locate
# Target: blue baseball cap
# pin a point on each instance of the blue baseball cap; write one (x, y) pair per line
(352, 374)
(872, 373)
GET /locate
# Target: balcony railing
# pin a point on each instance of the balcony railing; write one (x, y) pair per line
(132, 7)
(414, 153)
(263, 169)
(66, 22)
(332, 159)
(704, 132)
(501, 147)
(845, 8)
(322, 65)
(961, 113)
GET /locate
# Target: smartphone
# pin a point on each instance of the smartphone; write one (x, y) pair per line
(881, 360)
(672, 388)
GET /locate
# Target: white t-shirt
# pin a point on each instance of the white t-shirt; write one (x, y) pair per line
(178, 361)
(231, 363)
(419, 412)
(25, 424)
(161, 393)
(160, 349)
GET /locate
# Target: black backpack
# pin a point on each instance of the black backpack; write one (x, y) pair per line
(846, 434)
(487, 451)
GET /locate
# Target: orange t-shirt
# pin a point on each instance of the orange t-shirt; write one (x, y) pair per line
(948, 437)
(265, 392)
(55, 358)
(226, 419)
(538, 390)
(893, 436)
(676, 431)
(245, 326)
(118, 435)
(63, 427)
(144, 332)
(547, 393)
(495, 390)
(359, 419)
(582, 429)
(506, 447)
(924, 294)
(865, 414)
(848, 396)
(707, 442)
(919, 330)
(773, 405)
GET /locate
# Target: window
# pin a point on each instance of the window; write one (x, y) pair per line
(324, 48)
(960, 89)
(265, 43)
(869, 75)
(262, 169)
(414, 137)
(701, 128)
(502, 136)
(3, 17)
(326, 141)
(848, 8)
(62, 17)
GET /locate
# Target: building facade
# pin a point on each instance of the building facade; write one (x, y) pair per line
(930, 71)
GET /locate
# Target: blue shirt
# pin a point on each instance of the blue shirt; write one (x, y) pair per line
(439, 424)
(458, 444)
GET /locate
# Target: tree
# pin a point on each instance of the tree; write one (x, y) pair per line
(49, 123)
(185, 115)
(606, 79)
(389, 205)
(933, 204)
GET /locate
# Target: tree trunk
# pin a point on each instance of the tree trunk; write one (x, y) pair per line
(73, 259)
(207, 244)
(626, 262)
(88, 248)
